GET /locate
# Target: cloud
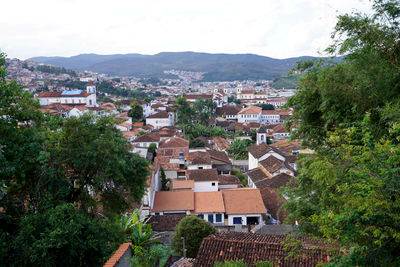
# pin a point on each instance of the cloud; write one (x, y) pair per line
(68, 27)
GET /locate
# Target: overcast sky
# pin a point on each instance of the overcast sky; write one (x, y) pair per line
(275, 28)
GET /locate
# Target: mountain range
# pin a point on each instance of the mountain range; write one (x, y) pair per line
(216, 67)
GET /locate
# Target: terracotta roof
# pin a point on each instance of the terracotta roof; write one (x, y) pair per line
(227, 110)
(174, 142)
(248, 91)
(228, 180)
(194, 97)
(161, 223)
(150, 137)
(59, 94)
(208, 202)
(159, 115)
(199, 158)
(279, 128)
(117, 255)
(259, 150)
(243, 201)
(287, 146)
(273, 201)
(182, 184)
(185, 262)
(252, 248)
(271, 164)
(203, 175)
(257, 175)
(219, 155)
(221, 143)
(251, 110)
(173, 200)
(276, 181)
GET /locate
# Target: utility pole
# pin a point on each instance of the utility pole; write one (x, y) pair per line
(184, 249)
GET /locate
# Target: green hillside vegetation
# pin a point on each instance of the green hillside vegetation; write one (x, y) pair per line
(288, 82)
(55, 70)
(217, 67)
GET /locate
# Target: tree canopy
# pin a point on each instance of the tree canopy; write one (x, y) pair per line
(348, 112)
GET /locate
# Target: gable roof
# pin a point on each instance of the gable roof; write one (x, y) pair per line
(150, 137)
(228, 180)
(166, 222)
(182, 184)
(273, 201)
(199, 158)
(271, 164)
(159, 115)
(252, 248)
(256, 175)
(251, 110)
(259, 150)
(243, 201)
(227, 110)
(276, 181)
(173, 200)
(203, 175)
(208, 202)
(219, 155)
(174, 142)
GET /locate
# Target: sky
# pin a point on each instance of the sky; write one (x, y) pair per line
(274, 28)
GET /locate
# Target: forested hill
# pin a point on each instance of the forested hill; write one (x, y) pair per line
(217, 67)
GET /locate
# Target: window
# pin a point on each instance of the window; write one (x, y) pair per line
(237, 220)
(218, 218)
(201, 216)
(212, 184)
(211, 218)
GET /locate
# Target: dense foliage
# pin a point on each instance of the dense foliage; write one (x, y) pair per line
(349, 113)
(238, 149)
(289, 82)
(193, 229)
(136, 112)
(55, 70)
(56, 176)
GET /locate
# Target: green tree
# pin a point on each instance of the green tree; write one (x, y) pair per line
(238, 149)
(196, 143)
(136, 112)
(93, 155)
(183, 111)
(217, 131)
(349, 113)
(63, 236)
(204, 110)
(193, 229)
(152, 148)
(164, 180)
(266, 106)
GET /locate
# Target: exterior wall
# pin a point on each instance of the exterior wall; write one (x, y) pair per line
(261, 138)
(249, 118)
(280, 135)
(271, 119)
(159, 123)
(244, 218)
(171, 174)
(227, 186)
(196, 167)
(253, 162)
(145, 144)
(205, 186)
(141, 151)
(214, 217)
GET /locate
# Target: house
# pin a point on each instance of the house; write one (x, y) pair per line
(228, 182)
(220, 161)
(228, 112)
(280, 132)
(205, 180)
(243, 206)
(258, 152)
(226, 207)
(246, 94)
(173, 202)
(146, 139)
(160, 119)
(253, 248)
(210, 207)
(250, 114)
(87, 98)
(198, 160)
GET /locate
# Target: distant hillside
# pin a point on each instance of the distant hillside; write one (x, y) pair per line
(217, 67)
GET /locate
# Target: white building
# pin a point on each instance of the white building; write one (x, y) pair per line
(250, 114)
(160, 119)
